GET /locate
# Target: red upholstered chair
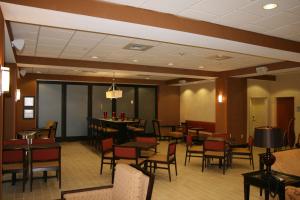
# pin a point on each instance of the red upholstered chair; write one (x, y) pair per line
(125, 155)
(215, 148)
(14, 159)
(106, 152)
(161, 159)
(244, 151)
(191, 149)
(45, 156)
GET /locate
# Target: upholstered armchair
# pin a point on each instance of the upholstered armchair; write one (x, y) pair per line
(131, 183)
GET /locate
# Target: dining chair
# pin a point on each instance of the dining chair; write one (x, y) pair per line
(149, 140)
(14, 159)
(49, 131)
(45, 158)
(106, 152)
(125, 155)
(192, 150)
(244, 151)
(164, 159)
(213, 148)
(161, 134)
(141, 128)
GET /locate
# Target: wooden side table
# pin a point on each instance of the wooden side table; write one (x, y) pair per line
(275, 183)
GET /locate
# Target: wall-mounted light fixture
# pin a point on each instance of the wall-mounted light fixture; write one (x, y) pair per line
(18, 94)
(220, 98)
(5, 80)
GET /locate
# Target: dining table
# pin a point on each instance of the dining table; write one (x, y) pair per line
(121, 125)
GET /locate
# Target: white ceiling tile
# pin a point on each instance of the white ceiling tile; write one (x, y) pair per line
(254, 28)
(198, 15)
(168, 6)
(292, 29)
(135, 3)
(257, 7)
(237, 18)
(217, 7)
(115, 41)
(295, 10)
(278, 20)
(20, 27)
(58, 33)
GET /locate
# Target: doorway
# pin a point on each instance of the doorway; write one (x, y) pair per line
(259, 110)
(285, 111)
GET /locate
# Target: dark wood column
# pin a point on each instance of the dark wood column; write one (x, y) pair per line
(231, 114)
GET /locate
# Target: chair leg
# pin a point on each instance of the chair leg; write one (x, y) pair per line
(59, 181)
(45, 176)
(13, 178)
(24, 179)
(169, 172)
(224, 165)
(252, 161)
(176, 167)
(186, 154)
(31, 180)
(101, 165)
(203, 160)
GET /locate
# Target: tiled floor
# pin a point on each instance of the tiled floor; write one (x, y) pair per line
(80, 169)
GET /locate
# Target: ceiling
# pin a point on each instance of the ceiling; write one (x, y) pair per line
(43, 41)
(283, 21)
(67, 35)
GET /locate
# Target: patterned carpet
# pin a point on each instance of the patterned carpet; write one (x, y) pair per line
(80, 169)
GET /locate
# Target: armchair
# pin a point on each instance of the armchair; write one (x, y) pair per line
(131, 183)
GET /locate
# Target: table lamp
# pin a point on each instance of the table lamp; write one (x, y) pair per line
(268, 137)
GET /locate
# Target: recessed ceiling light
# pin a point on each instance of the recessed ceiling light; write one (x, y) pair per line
(135, 60)
(77, 70)
(270, 6)
(201, 67)
(94, 57)
(147, 78)
(170, 64)
(38, 72)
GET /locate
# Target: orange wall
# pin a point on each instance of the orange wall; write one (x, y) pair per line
(168, 97)
(1, 97)
(169, 104)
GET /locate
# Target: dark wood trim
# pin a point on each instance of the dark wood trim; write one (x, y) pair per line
(252, 70)
(90, 100)
(113, 106)
(263, 77)
(63, 110)
(114, 66)
(156, 102)
(106, 10)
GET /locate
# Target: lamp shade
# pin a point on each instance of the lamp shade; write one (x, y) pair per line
(268, 137)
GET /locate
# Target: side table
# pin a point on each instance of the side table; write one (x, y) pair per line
(275, 183)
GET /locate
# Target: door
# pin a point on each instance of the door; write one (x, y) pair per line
(258, 113)
(285, 111)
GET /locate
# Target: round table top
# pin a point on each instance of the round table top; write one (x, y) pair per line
(27, 134)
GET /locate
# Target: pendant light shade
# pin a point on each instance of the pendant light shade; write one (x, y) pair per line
(113, 92)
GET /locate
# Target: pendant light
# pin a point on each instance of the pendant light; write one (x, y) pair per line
(113, 92)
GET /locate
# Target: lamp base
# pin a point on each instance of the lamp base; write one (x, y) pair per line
(268, 160)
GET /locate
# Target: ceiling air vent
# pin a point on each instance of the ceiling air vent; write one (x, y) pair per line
(137, 47)
(219, 57)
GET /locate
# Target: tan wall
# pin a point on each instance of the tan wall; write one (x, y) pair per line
(1, 97)
(285, 86)
(197, 102)
(168, 104)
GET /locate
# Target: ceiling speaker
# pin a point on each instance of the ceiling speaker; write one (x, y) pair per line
(18, 44)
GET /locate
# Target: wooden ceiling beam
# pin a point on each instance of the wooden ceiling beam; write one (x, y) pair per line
(106, 10)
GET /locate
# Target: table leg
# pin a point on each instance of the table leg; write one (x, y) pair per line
(246, 191)
(281, 192)
(267, 194)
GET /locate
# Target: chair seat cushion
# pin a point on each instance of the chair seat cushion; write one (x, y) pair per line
(139, 130)
(196, 148)
(176, 134)
(45, 164)
(108, 154)
(128, 162)
(158, 157)
(214, 153)
(240, 150)
(12, 166)
(101, 194)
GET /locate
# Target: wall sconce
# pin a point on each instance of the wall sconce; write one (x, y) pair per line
(5, 77)
(18, 94)
(220, 98)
